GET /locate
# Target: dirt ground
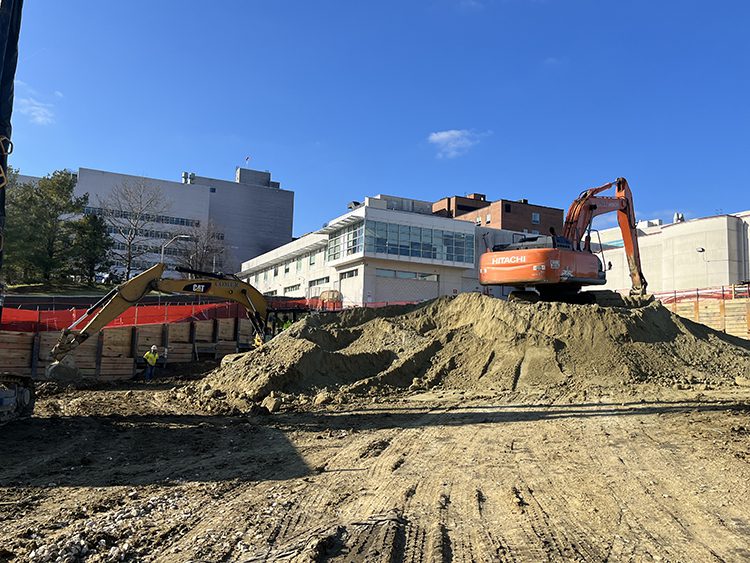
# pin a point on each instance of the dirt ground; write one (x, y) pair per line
(127, 473)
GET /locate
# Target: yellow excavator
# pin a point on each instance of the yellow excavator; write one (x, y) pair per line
(121, 298)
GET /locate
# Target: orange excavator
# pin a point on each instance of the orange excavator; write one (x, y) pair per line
(555, 268)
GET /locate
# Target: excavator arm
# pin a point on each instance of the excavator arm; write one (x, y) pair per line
(588, 205)
(129, 293)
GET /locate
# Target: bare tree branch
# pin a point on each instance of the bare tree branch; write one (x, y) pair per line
(206, 248)
(132, 209)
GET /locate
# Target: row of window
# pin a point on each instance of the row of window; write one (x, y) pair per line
(286, 266)
(152, 233)
(419, 242)
(145, 248)
(319, 281)
(345, 242)
(292, 288)
(402, 275)
(385, 238)
(148, 217)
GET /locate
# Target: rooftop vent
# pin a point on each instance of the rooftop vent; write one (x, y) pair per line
(353, 205)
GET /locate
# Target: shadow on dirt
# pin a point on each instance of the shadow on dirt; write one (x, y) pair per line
(367, 419)
(142, 450)
(138, 450)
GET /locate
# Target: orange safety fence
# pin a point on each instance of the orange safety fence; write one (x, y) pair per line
(25, 320)
(722, 293)
(29, 320)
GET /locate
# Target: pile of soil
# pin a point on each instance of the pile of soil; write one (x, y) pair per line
(474, 342)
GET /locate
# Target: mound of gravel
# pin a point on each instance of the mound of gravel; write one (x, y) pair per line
(474, 342)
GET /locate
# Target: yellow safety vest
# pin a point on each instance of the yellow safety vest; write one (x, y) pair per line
(151, 357)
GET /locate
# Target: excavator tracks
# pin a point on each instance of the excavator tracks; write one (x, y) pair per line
(16, 397)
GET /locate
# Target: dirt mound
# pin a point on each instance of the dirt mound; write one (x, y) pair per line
(474, 342)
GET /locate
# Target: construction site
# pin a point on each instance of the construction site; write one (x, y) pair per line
(496, 401)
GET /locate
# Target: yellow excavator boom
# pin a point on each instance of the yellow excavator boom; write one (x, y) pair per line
(129, 293)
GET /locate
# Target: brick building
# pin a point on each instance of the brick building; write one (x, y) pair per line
(518, 215)
(458, 205)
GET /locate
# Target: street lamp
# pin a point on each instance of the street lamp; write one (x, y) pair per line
(166, 244)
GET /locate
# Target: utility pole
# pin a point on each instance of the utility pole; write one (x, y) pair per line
(10, 27)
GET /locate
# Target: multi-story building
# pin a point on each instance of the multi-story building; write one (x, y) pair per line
(459, 205)
(251, 214)
(705, 252)
(388, 249)
(520, 216)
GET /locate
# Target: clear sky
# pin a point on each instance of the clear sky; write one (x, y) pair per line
(341, 99)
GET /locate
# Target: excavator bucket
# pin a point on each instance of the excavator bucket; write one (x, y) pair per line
(63, 371)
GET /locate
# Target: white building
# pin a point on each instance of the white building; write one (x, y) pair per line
(705, 252)
(252, 214)
(389, 249)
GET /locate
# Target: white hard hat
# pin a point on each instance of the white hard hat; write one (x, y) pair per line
(154, 348)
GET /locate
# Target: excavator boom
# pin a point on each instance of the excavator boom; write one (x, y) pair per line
(129, 293)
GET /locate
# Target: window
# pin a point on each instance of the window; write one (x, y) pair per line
(275, 271)
(345, 242)
(265, 275)
(291, 288)
(419, 242)
(319, 281)
(403, 275)
(299, 264)
(534, 232)
(507, 207)
(478, 221)
(286, 267)
(489, 218)
(270, 293)
(349, 274)
(312, 258)
(212, 190)
(535, 219)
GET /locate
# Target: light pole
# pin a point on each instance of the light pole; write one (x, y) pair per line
(166, 244)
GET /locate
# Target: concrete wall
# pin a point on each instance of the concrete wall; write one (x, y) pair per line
(183, 200)
(254, 214)
(670, 260)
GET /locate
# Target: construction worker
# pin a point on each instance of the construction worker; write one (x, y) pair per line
(287, 323)
(151, 356)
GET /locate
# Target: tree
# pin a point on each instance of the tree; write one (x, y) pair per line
(205, 250)
(90, 246)
(37, 242)
(132, 209)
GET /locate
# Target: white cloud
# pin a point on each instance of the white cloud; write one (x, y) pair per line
(454, 142)
(470, 4)
(59, 94)
(38, 112)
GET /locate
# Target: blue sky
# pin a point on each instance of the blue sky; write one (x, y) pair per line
(512, 98)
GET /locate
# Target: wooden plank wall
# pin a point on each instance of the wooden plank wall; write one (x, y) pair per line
(111, 354)
(731, 316)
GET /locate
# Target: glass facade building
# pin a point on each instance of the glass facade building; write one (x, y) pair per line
(401, 240)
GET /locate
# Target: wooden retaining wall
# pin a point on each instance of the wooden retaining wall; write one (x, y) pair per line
(112, 354)
(731, 315)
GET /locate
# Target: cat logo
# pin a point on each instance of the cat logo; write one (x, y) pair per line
(197, 287)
